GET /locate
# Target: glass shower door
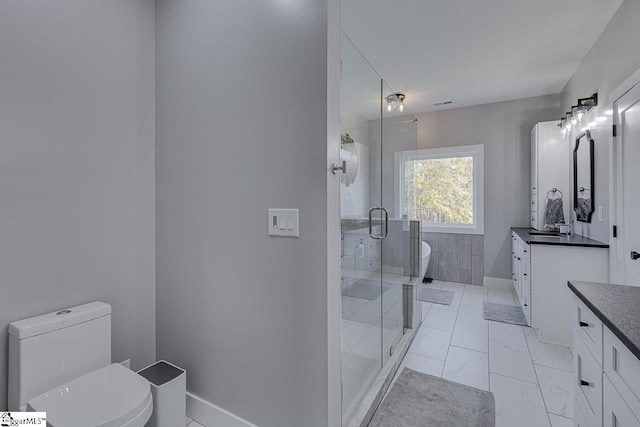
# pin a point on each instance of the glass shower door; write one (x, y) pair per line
(361, 243)
(376, 244)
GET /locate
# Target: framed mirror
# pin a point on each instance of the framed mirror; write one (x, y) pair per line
(583, 177)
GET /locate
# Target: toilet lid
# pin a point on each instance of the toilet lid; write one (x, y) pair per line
(108, 397)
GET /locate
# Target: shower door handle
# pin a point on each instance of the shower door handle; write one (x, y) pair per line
(386, 223)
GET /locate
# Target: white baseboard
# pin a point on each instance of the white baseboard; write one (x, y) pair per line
(498, 283)
(208, 414)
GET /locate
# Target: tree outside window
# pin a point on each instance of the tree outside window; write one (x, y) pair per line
(439, 190)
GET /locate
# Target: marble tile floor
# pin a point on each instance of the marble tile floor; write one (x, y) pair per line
(191, 423)
(362, 340)
(531, 381)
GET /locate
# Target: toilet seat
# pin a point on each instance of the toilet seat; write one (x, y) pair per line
(113, 396)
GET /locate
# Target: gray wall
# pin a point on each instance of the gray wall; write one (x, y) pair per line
(241, 127)
(504, 129)
(613, 58)
(77, 165)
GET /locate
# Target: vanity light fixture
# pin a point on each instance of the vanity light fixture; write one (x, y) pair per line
(581, 112)
(574, 120)
(577, 114)
(395, 102)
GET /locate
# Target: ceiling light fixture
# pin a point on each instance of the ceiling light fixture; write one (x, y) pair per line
(578, 113)
(395, 102)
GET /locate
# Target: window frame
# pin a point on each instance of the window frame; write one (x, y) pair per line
(474, 151)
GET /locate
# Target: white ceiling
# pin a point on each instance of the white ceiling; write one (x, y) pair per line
(472, 51)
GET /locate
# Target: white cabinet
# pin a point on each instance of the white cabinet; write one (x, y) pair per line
(540, 274)
(606, 374)
(550, 168)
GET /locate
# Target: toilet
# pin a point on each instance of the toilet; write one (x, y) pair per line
(426, 254)
(60, 363)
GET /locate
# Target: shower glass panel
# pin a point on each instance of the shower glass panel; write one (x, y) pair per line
(376, 253)
(361, 253)
(399, 133)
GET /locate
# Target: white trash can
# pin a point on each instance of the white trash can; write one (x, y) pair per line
(168, 387)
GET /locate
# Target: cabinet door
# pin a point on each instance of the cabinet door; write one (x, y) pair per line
(587, 380)
(579, 420)
(520, 275)
(615, 411)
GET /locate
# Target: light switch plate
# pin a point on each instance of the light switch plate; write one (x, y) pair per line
(283, 222)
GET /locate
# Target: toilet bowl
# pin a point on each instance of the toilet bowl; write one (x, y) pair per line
(60, 363)
(426, 254)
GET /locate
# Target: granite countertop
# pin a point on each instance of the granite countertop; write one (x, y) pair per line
(617, 307)
(551, 239)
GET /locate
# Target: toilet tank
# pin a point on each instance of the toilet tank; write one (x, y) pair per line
(48, 350)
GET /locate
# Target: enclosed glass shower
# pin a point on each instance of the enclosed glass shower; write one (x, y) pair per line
(380, 248)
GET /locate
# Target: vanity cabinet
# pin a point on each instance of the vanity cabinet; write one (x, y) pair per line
(550, 168)
(606, 374)
(541, 267)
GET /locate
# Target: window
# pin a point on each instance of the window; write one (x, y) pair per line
(442, 187)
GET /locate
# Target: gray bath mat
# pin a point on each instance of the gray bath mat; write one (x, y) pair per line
(504, 313)
(436, 296)
(421, 400)
(365, 289)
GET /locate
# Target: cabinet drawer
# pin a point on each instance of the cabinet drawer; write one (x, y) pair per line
(587, 379)
(534, 220)
(589, 328)
(579, 420)
(534, 203)
(623, 369)
(615, 411)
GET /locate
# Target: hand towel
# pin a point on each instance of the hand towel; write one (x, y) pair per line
(554, 213)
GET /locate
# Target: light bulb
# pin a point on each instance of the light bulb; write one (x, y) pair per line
(580, 114)
(574, 121)
(401, 107)
(389, 107)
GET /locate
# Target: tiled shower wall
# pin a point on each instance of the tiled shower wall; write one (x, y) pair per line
(456, 257)
(400, 251)
(359, 251)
